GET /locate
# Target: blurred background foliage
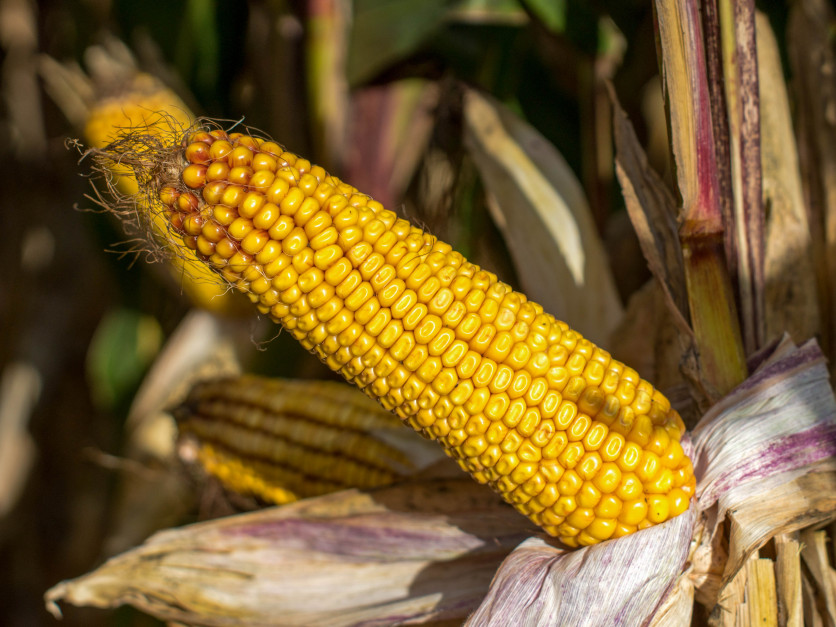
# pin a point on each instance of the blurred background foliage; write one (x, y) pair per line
(371, 89)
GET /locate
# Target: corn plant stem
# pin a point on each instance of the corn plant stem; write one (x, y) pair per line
(713, 313)
(711, 298)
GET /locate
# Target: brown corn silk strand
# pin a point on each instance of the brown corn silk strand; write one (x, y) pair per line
(572, 438)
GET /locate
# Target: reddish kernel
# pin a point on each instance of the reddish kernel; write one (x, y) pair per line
(187, 202)
(168, 196)
(197, 152)
(213, 192)
(194, 176)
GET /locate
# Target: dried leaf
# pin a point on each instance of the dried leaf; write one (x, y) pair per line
(621, 582)
(793, 396)
(20, 389)
(686, 91)
(403, 554)
(814, 554)
(812, 56)
(652, 208)
(541, 210)
(761, 598)
(776, 435)
(677, 608)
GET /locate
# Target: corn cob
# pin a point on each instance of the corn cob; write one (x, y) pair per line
(574, 439)
(285, 440)
(147, 104)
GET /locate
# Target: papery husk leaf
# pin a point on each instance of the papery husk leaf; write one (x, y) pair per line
(774, 435)
(793, 396)
(678, 607)
(803, 501)
(404, 554)
(619, 582)
(541, 210)
(790, 296)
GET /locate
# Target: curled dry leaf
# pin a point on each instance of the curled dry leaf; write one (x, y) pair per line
(542, 212)
(403, 554)
(774, 435)
(652, 209)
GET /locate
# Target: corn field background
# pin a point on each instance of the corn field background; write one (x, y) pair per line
(375, 91)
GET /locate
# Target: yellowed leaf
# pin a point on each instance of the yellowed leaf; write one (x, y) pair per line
(543, 214)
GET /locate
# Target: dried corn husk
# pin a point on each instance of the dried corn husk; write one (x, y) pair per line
(408, 553)
(542, 585)
(423, 551)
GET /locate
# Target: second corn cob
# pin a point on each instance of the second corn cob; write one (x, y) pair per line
(282, 440)
(572, 438)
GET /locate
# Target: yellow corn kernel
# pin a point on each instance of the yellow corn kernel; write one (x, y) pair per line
(633, 512)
